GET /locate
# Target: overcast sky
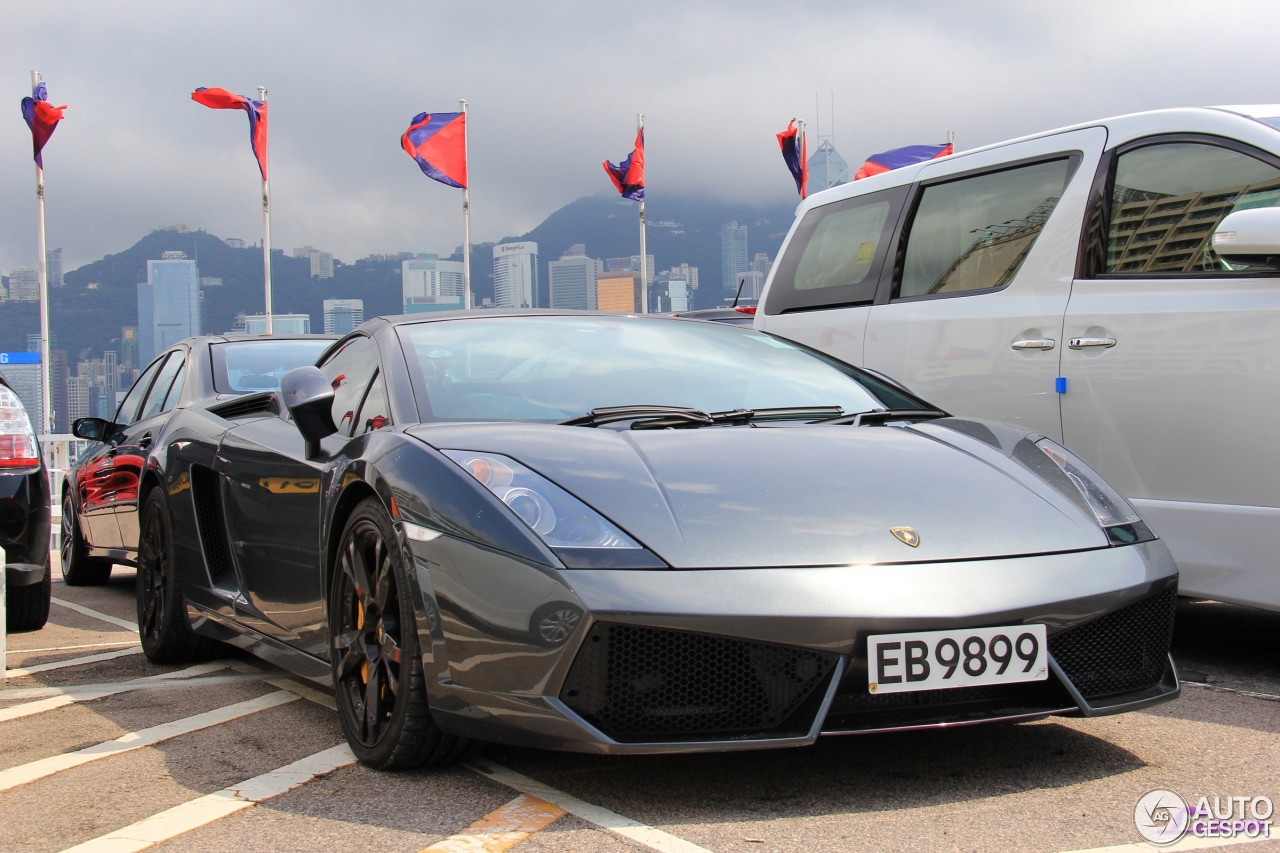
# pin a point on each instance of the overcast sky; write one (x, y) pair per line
(553, 89)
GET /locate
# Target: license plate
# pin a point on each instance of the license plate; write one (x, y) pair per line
(968, 657)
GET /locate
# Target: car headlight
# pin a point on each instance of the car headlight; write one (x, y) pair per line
(1115, 515)
(560, 519)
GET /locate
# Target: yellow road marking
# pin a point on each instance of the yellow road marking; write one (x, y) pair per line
(502, 828)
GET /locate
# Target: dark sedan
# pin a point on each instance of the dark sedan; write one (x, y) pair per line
(24, 517)
(100, 493)
(630, 534)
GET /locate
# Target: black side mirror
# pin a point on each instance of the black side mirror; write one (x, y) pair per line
(93, 429)
(308, 395)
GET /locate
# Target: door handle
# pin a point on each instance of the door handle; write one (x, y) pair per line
(1082, 343)
(145, 441)
(1033, 343)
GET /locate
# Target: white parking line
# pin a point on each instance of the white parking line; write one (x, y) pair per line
(651, 837)
(199, 812)
(105, 617)
(71, 648)
(59, 697)
(30, 772)
(63, 664)
(502, 828)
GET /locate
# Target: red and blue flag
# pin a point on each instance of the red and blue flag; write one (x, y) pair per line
(887, 161)
(438, 143)
(42, 117)
(628, 176)
(795, 151)
(221, 99)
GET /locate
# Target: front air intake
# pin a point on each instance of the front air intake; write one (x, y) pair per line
(653, 684)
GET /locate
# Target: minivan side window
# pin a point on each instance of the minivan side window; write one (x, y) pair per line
(973, 233)
(835, 254)
(1167, 200)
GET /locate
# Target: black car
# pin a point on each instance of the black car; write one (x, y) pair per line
(636, 534)
(24, 517)
(736, 315)
(100, 492)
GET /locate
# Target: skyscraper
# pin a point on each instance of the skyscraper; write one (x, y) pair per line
(573, 280)
(342, 315)
(170, 305)
(827, 168)
(430, 284)
(733, 256)
(53, 267)
(515, 275)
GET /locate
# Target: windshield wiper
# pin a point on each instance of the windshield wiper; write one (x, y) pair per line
(664, 417)
(879, 417)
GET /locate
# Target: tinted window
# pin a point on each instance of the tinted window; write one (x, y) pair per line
(169, 376)
(128, 412)
(374, 413)
(555, 368)
(1168, 199)
(973, 233)
(836, 253)
(247, 366)
(350, 370)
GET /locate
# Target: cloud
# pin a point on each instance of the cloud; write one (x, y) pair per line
(553, 89)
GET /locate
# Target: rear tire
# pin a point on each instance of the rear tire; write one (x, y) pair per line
(27, 607)
(377, 669)
(78, 568)
(163, 628)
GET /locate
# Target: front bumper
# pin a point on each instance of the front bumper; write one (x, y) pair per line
(712, 660)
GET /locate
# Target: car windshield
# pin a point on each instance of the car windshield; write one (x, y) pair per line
(554, 368)
(242, 367)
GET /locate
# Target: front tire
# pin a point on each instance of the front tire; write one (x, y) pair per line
(27, 607)
(377, 670)
(78, 568)
(163, 628)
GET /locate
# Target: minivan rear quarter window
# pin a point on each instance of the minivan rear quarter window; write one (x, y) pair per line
(836, 253)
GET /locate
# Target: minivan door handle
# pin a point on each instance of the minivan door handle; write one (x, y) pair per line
(1033, 343)
(1082, 343)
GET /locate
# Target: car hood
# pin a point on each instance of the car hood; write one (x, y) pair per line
(802, 494)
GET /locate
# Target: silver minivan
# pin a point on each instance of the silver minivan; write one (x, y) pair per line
(1114, 285)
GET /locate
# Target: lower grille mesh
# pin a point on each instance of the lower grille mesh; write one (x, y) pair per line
(639, 683)
(1121, 652)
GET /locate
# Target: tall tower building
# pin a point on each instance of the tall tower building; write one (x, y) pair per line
(573, 280)
(733, 256)
(53, 267)
(827, 168)
(170, 305)
(515, 275)
(430, 284)
(342, 315)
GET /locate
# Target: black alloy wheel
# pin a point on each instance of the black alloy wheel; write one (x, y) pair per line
(78, 568)
(163, 628)
(377, 670)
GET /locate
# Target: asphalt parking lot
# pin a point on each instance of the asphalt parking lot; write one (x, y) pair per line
(106, 752)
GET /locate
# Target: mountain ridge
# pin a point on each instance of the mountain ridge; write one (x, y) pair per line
(88, 312)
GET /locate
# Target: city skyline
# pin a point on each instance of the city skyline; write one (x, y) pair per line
(340, 180)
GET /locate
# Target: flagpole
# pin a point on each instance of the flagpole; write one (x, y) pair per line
(266, 225)
(46, 395)
(644, 260)
(466, 216)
